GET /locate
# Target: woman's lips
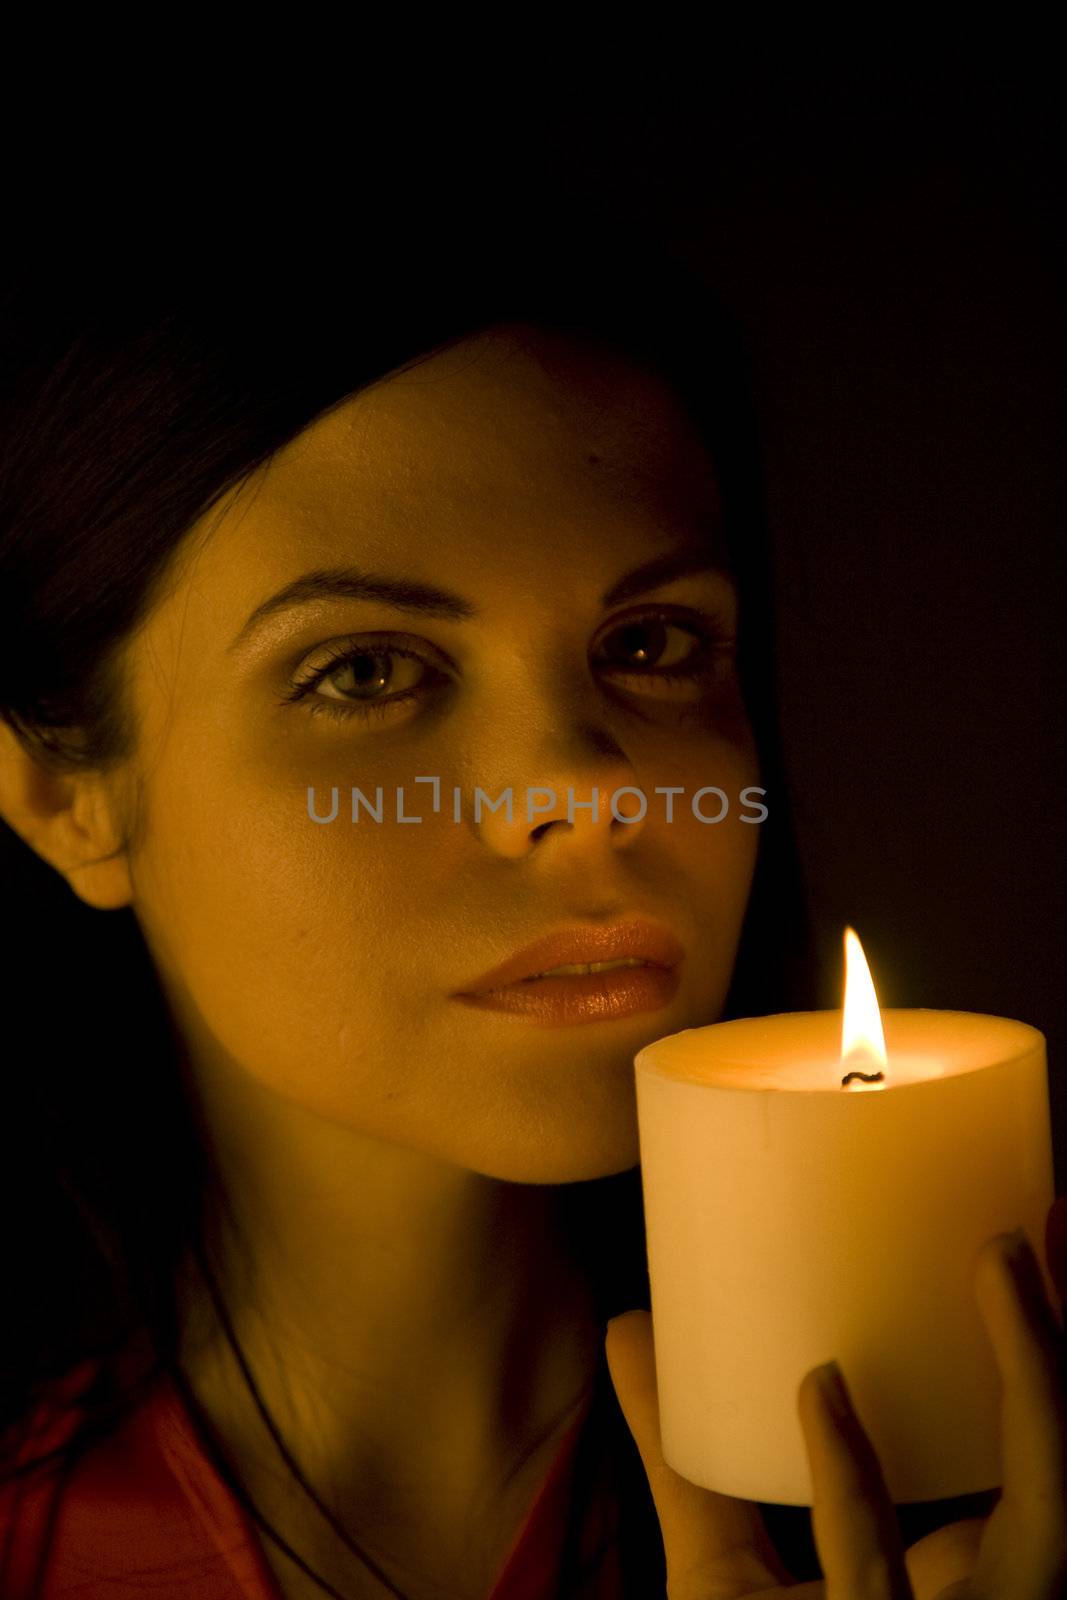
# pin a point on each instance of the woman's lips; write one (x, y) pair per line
(590, 997)
(519, 985)
(638, 938)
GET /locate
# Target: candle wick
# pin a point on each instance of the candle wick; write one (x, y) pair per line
(865, 1077)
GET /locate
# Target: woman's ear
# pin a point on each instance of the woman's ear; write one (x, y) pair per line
(70, 819)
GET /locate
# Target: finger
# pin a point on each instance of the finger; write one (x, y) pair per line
(716, 1547)
(853, 1519)
(1028, 1347)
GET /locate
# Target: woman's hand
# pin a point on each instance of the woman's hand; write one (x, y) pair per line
(718, 1548)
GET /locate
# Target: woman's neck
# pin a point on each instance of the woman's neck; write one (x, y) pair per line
(420, 1335)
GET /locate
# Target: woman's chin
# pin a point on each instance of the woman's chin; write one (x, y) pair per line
(583, 1156)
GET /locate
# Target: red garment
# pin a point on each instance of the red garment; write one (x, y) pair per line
(145, 1514)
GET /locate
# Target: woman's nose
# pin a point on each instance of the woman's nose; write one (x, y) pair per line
(590, 802)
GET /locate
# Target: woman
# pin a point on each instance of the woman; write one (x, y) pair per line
(343, 1186)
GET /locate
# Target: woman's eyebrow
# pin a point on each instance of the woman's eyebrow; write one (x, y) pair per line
(426, 599)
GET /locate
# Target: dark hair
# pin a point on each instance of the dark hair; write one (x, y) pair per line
(136, 401)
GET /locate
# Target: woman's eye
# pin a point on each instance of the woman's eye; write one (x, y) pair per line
(668, 651)
(365, 681)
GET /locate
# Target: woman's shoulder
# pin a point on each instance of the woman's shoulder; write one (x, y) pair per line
(33, 1449)
(98, 1506)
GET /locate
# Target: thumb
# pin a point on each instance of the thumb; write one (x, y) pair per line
(710, 1540)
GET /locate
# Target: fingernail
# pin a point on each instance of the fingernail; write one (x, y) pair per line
(832, 1384)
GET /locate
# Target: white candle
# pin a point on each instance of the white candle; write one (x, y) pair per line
(791, 1219)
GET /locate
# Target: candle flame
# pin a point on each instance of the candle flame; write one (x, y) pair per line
(862, 1038)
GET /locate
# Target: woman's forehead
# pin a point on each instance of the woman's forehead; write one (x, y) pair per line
(512, 411)
(507, 452)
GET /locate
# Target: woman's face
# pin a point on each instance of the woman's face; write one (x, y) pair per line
(318, 961)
